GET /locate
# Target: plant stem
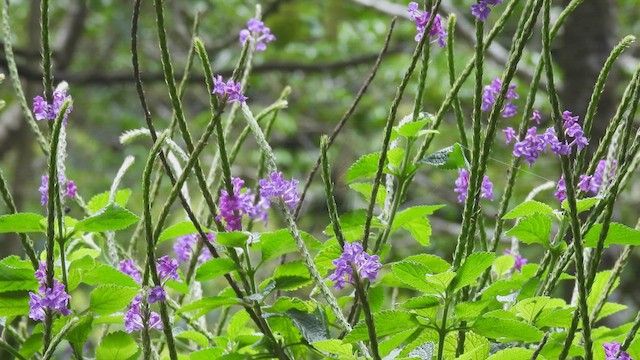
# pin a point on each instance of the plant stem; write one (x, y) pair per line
(368, 316)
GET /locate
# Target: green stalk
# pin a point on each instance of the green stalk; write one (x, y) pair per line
(328, 189)
(47, 77)
(361, 294)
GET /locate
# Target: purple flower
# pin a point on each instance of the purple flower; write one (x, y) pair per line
(421, 19)
(487, 188)
(519, 260)
(275, 186)
(490, 93)
(612, 349)
(260, 33)
(531, 146)
(561, 190)
(133, 320)
(233, 206)
(168, 269)
(55, 298)
(481, 10)
(585, 182)
(593, 183)
(71, 189)
(462, 184)
(157, 294)
(352, 256)
(232, 90)
(45, 111)
(536, 117)
(185, 245)
(509, 134)
(129, 267)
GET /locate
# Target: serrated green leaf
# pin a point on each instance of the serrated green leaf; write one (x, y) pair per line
(534, 228)
(449, 158)
(414, 275)
(112, 217)
(582, 204)
(476, 347)
(116, 346)
(528, 208)
(16, 278)
(334, 347)
(101, 200)
(411, 129)
(106, 275)
(21, 223)
(31, 345)
(207, 304)
(232, 238)
(434, 263)
(472, 269)
(421, 302)
(506, 329)
(503, 264)
(365, 167)
(214, 268)
(14, 303)
(555, 318)
(513, 354)
(285, 303)
(387, 322)
(610, 308)
(194, 336)
(108, 299)
(365, 190)
(313, 326)
(179, 229)
(597, 288)
(207, 354)
(274, 244)
(470, 310)
(79, 334)
(415, 221)
(618, 234)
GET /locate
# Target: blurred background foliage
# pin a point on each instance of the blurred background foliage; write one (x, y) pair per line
(324, 51)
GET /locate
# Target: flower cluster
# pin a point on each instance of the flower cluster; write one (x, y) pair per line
(259, 32)
(354, 256)
(133, 318)
(231, 90)
(185, 246)
(242, 202)
(611, 351)
(168, 269)
(55, 299)
(533, 143)
(520, 261)
(593, 183)
(421, 18)
(462, 186)
(489, 98)
(46, 111)
(481, 10)
(129, 267)
(70, 188)
(561, 190)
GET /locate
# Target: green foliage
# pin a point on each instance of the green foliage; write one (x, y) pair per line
(214, 268)
(107, 299)
(112, 217)
(449, 158)
(533, 229)
(21, 223)
(117, 346)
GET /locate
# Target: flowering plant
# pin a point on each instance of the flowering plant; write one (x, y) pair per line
(242, 280)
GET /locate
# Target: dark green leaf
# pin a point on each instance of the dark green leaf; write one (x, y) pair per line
(80, 333)
(313, 326)
(450, 158)
(21, 223)
(112, 217)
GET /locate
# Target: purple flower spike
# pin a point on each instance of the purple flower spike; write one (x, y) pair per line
(234, 206)
(561, 190)
(40, 108)
(519, 260)
(487, 188)
(46, 111)
(585, 182)
(421, 19)
(168, 269)
(133, 320)
(509, 134)
(612, 349)
(536, 117)
(260, 33)
(129, 267)
(70, 192)
(531, 146)
(157, 294)
(352, 256)
(509, 110)
(490, 93)
(276, 187)
(230, 89)
(56, 298)
(481, 10)
(183, 247)
(462, 184)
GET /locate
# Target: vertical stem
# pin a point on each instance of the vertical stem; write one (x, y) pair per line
(47, 77)
(328, 189)
(368, 316)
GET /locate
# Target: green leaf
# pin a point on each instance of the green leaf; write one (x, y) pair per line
(395, 157)
(414, 220)
(106, 275)
(116, 346)
(597, 288)
(535, 228)
(292, 276)
(207, 304)
(449, 158)
(14, 278)
(275, 244)
(414, 275)
(80, 333)
(435, 263)
(366, 188)
(335, 347)
(14, 303)
(618, 234)
(470, 310)
(107, 299)
(365, 167)
(476, 347)
(387, 322)
(353, 224)
(214, 268)
(232, 238)
(528, 208)
(111, 218)
(207, 354)
(21, 223)
(411, 129)
(101, 200)
(513, 354)
(194, 336)
(556, 318)
(472, 269)
(31, 345)
(503, 264)
(312, 326)
(285, 303)
(421, 302)
(506, 330)
(582, 204)
(179, 229)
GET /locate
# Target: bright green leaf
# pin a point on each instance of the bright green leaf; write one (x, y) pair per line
(449, 158)
(207, 304)
(21, 223)
(194, 336)
(101, 200)
(233, 238)
(112, 217)
(506, 330)
(387, 322)
(411, 129)
(179, 229)
(528, 208)
(13, 278)
(116, 346)
(107, 275)
(582, 204)
(618, 234)
(108, 299)
(335, 347)
(14, 303)
(535, 228)
(472, 269)
(214, 268)
(513, 354)
(365, 167)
